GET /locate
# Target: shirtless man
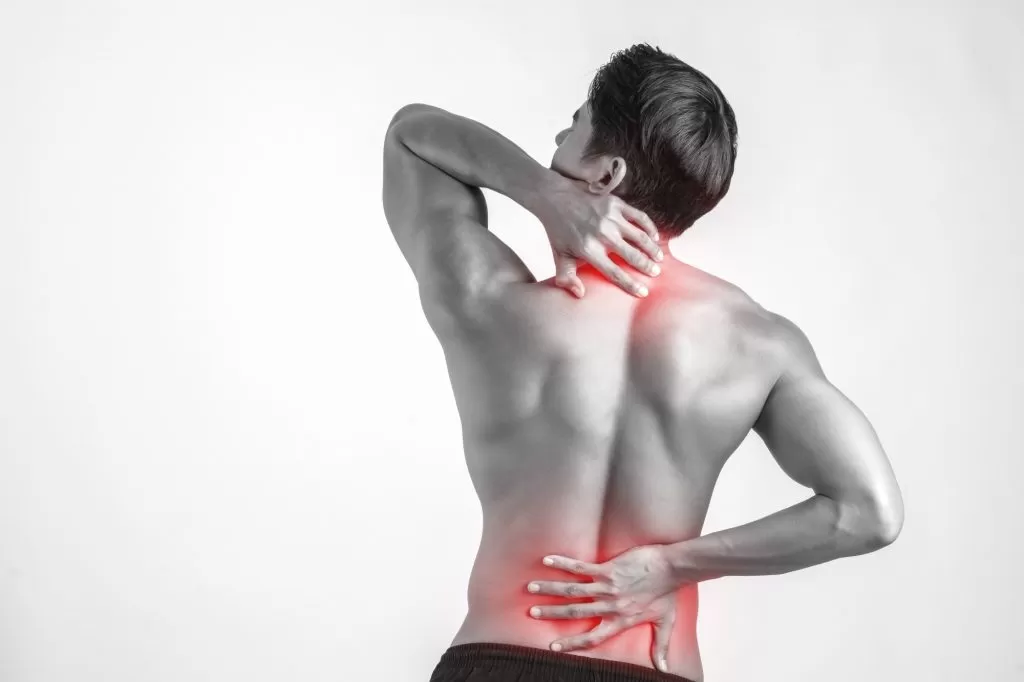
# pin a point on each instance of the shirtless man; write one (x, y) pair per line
(598, 407)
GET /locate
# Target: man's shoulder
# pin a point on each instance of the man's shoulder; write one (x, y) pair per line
(770, 335)
(696, 286)
(766, 332)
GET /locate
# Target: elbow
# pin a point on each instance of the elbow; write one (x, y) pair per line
(408, 111)
(399, 129)
(871, 522)
(887, 520)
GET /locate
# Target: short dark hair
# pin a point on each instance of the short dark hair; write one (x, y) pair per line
(674, 128)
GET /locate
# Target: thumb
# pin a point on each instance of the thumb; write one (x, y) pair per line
(565, 275)
(659, 648)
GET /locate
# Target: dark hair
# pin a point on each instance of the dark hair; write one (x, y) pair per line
(674, 128)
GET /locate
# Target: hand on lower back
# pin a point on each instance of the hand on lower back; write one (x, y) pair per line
(635, 587)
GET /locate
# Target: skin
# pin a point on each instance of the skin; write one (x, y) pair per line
(625, 449)
(595, 425)
(598, 425)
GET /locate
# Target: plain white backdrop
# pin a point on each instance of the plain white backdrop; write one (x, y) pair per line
(228, 446)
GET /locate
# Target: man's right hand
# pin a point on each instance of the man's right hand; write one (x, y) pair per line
(584, 225)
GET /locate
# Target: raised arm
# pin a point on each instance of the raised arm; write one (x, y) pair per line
(434, 166)
(822, 441)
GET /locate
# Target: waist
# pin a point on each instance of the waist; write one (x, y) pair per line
(513, 661)
(503, 618)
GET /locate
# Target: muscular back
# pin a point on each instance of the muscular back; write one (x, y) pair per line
(594, 425)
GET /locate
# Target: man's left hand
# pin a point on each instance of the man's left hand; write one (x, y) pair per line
(637, 586)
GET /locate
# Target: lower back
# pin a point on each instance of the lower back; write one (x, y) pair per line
(590, 505)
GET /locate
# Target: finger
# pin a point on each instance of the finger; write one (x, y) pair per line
(632, 255)
(640, 218)
(613, 272)
(605, 630)
(643, 240)
(571, 611)
(563, 589)
(566, 277)
(573, 565)
(662, 633)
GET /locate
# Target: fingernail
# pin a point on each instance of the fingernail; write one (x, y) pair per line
(556, 646)
(535, 612)
(655, 270)
(662, 665)
(533, 587)
(661, 256)
(642, 290)
(548, 561)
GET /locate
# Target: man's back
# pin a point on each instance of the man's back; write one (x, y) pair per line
(595, 429)
(595, 425)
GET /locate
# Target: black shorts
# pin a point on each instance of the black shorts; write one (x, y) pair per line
(494, 662)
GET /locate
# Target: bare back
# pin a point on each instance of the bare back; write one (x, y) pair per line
(595, 425)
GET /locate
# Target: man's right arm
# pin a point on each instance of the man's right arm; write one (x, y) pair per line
(822, 441)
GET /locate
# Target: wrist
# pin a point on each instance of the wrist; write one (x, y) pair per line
(681, 562)
(537, 193)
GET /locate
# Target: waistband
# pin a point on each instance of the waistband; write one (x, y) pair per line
(562, 666)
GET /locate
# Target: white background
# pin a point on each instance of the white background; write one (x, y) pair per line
(228, 446)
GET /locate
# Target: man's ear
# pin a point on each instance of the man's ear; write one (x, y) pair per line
(612, 175)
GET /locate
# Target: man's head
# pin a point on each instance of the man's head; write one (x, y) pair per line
(655, 132)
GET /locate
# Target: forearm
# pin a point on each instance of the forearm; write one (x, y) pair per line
(472, 153)
(811, 532)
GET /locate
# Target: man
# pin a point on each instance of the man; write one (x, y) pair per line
(599, 407)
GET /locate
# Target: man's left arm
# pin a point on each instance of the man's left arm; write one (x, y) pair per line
(435, 166)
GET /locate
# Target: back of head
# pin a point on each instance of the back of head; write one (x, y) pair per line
(674, 128)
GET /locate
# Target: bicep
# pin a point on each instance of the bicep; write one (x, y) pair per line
(819, 437)
(440, 226)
